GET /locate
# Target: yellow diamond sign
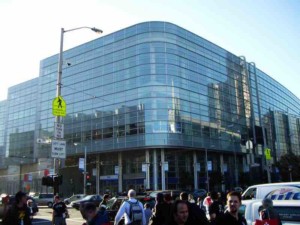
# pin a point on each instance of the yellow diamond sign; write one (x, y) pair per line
(59, 106)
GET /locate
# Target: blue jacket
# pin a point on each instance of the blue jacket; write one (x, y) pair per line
(100, 219)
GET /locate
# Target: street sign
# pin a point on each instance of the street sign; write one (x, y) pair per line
(209, 165)
(58, 149)
(166, 166)
(59, 106)
(116, 170)
(59, 130)
(144, 167)
(81, 164)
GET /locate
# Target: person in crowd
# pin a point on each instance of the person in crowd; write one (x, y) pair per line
(200, 203)
(168, 198)
(196, 215)
(60, 212)
(133, 217)
(148, 212)
(5, 204)
(105, 200)
(207, 202)
(18, 213)
(268, 212)
(180, 213)
(191, 199)
(231, 216)
(29, 205)
(94, 217)
(161, 211)
(216, 209)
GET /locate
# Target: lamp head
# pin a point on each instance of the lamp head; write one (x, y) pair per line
(96, 30)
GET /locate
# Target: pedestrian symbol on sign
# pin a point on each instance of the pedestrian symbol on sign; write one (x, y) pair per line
(59, 106)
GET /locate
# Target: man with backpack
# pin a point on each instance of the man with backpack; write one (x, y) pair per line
(132, 210)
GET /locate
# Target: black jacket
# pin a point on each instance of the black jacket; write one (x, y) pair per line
(15, 215)
(161, 214)
(228, 219)
(196, 215)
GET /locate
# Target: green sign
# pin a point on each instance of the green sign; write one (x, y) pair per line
(59, 106)
(268, 154)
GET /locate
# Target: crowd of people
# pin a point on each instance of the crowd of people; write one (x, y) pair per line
(185, 210)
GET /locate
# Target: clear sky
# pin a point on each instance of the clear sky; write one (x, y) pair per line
(266, 32)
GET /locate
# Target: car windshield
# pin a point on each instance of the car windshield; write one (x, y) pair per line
(87, 197)
(110, 203)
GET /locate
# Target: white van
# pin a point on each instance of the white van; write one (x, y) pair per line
(288, 210)
(275, 191)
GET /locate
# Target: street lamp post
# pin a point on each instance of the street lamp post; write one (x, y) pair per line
(60, 62)
(59, 74)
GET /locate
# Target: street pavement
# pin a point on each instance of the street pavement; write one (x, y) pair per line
(44, 217)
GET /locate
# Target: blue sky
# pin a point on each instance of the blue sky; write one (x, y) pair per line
(266, 32)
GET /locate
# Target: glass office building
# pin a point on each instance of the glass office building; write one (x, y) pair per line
(158, 107)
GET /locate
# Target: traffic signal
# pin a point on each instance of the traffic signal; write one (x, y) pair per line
(88, 177)
(47, 181)
(58, 180)
(44, 181)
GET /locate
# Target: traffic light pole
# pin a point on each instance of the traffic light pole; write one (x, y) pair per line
(55, 186)
(84, 172)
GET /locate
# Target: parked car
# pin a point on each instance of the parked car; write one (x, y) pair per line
(96, 199)
(114, 204)
(199, 193)
(45, 199)
(288, 210)
(75, 197)
(174, 193)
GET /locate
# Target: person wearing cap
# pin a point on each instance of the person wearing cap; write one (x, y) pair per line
(93, 217)
(18, 213)
(268, 212)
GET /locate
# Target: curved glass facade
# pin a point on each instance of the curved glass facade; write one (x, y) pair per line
(156, 84)
(163, 94)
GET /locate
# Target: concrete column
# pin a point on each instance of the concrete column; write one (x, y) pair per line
(148, 169)
(155, 170)
(120, 178)
(163, 173)
(195, 170)
(97, 175)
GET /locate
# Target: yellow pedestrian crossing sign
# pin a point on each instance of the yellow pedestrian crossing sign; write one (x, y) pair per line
(268, 154)
(59, 106)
